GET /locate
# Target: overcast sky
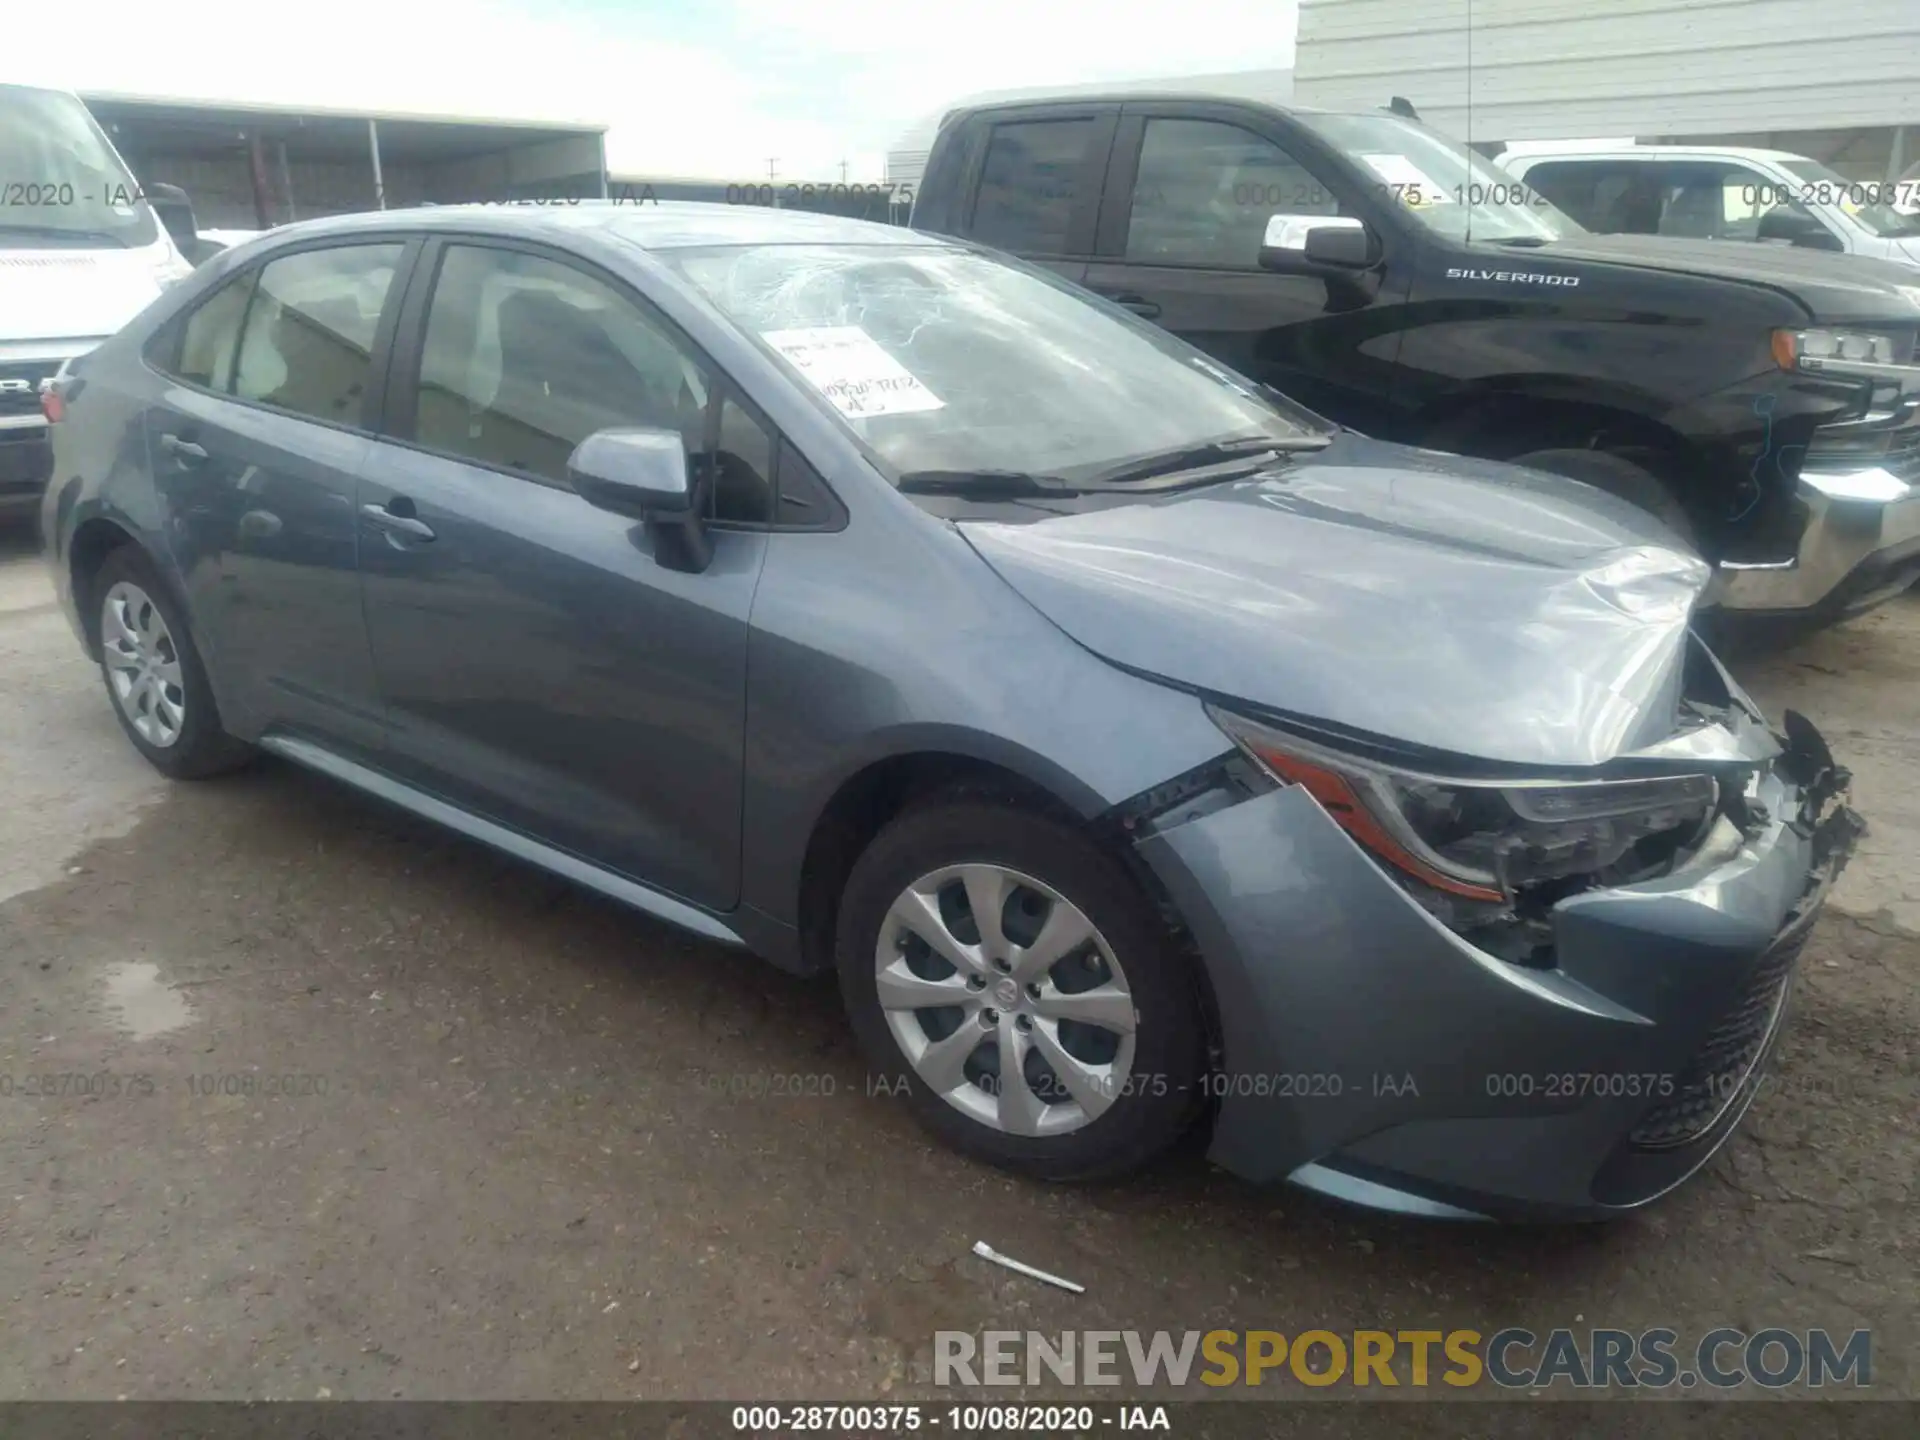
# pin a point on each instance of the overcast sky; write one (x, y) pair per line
(703, 87)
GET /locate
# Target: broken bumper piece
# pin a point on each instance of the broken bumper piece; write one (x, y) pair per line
(1370, 1053)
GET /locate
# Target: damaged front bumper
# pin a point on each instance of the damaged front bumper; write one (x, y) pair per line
(1370, 1052)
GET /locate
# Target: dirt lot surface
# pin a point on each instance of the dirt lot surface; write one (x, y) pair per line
(498, 1165)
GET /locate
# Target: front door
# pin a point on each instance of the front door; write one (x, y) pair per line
(1187, 203)
(539, 666)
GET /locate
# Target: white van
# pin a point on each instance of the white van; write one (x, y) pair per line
(1719, 192)
(81, 253)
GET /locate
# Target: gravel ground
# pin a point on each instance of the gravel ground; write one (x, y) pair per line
(501, 1168)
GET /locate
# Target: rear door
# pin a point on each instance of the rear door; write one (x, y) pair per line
(1031, 182)
(1189, 191)
(270, 390)
(539, 666)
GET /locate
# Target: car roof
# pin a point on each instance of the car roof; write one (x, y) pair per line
(1129, 97)
(644, 222)
(1601, 150)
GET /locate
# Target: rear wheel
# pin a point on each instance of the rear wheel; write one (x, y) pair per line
(1619, 477)
(1010, 977)
(153, 673)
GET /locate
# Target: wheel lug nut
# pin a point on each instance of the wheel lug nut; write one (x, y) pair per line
(1033, 992)
(1002, 964)
(989, 1018)
(1023, 1022)
(974, 982)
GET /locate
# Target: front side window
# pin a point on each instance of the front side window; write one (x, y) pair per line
(1028, 184)
(940, 359)
(1205, 189)
(308, 344)
(525, 357)
(1449, 189)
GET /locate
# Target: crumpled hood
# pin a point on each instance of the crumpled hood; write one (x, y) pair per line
(74, 294)
(1460, 605)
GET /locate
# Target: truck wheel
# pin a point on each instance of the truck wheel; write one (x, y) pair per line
(1618, 477)
(1012, 982)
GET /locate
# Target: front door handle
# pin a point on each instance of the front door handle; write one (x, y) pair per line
(394, 518)
(184, 451)
(1138, 304)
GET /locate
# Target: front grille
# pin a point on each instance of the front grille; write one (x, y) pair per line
(20, 385)
(1725, 1067)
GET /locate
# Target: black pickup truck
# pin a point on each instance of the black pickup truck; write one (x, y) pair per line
(1764, 400)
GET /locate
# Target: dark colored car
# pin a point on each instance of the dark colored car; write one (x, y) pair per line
(1135, 745)
(1763, 401)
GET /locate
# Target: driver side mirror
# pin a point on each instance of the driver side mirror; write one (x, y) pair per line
(1316, 244)
(1798, 228)
(175, 212)
(644, 474)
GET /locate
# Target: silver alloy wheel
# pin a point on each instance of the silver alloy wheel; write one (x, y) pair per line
(1005, 1000)
(142, 664)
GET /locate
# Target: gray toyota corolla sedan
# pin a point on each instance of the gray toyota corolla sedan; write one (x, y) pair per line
(1139, 749)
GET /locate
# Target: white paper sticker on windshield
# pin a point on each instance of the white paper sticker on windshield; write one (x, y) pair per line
(1410, 184)
(847, 365)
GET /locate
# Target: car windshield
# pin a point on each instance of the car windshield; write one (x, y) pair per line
(1865, 202)
(63, 184)
(943, 361)
(1448, 188)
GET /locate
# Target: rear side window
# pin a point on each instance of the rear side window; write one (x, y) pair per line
(1205, 189)
(211, 336)
(308, 343)
(1029, 182)
(1609, 197)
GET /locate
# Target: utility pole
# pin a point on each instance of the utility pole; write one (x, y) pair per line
(843, 172)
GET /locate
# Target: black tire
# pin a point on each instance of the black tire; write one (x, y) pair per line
(1162, 1096)
(203, 747)
(1621, 478)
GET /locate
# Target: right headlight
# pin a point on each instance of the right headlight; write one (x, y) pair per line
(1811, 349)
(1480, 839)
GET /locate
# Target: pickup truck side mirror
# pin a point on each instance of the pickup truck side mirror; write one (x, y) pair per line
(175, 212)
(1317, 244)
(644, 474)
(1797, 228)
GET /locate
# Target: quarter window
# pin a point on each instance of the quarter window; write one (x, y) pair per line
(308, 343)
(212, 335)
(1028, 185)
(1205, 189)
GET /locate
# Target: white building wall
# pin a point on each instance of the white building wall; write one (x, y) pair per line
(1562, 69)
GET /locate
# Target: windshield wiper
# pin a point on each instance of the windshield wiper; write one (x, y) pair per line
(983, 484)
(61, 232)
(1193, 457)
(1521, 242)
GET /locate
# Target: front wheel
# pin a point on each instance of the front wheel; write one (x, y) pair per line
(1011, 979)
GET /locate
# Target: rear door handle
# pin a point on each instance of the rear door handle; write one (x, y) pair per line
(398, 522)
(1138, 304)
(184, 451)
